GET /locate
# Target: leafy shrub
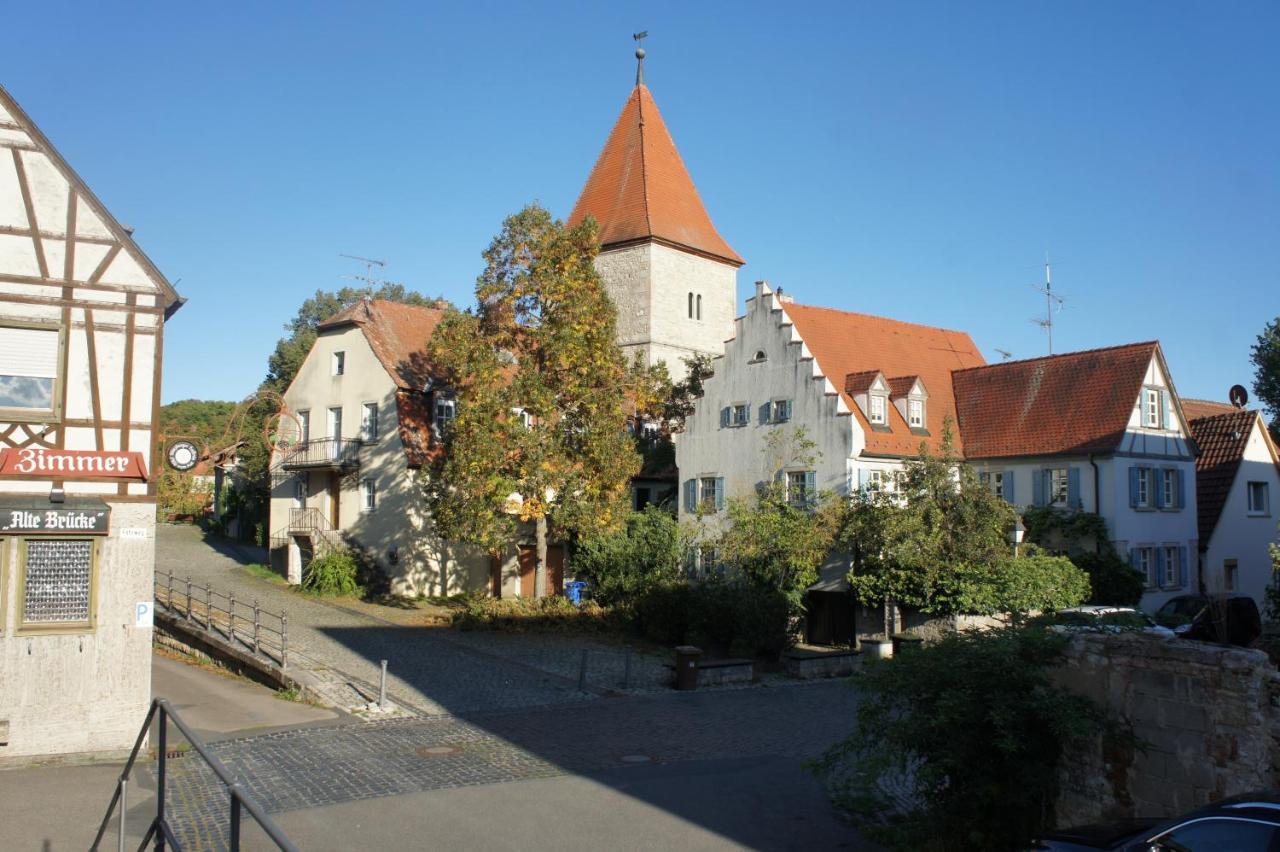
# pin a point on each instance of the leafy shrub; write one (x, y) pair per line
(738, 618)
(957, 746)
(621, 565)
(1085, 537)
(520, 615)
(1113, 581)
(335, 573)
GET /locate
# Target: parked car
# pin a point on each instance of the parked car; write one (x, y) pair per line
(1181, 610)
(1097, 617)
(1233, 620)
(1249, 823)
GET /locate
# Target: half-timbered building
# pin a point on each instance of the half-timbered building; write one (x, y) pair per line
(82, 313)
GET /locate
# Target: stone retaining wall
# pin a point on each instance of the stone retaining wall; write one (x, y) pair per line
(1207, 718)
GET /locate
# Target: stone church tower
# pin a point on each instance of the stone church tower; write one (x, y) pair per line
(672, 277)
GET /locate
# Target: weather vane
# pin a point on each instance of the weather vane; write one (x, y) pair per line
(640, 37)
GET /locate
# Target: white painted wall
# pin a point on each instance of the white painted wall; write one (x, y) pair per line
(1242, 535)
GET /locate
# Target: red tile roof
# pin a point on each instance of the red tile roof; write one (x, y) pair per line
(639, 188)
(900, 386)
(397, 334)
(1222, 438)
(1194, 409)
(845, 343)
(1078, 402)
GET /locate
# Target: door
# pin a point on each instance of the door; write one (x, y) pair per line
(335, 498)
(528, 558)
(829, 620)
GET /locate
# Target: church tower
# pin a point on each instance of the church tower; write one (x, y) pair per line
(672, 277)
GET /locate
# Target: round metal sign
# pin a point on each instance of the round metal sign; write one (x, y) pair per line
(183, 455)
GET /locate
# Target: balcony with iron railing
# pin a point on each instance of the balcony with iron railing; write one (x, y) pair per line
(323, 454)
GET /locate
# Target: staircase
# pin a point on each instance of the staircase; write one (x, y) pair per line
(312, 523)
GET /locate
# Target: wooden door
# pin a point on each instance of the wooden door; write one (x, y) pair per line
(335, 498)
(528, 558)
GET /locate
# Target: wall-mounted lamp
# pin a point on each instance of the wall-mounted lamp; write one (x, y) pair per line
(57, 495)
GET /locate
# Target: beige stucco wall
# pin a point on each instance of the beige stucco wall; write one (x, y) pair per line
(425, 564)
(84, 692)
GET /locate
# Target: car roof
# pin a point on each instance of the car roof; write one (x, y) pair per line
(1098, 609)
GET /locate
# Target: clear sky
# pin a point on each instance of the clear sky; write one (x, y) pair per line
(912, 160)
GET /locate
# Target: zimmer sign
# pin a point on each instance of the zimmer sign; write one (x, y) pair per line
(71, 464)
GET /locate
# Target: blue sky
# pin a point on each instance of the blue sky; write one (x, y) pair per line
(913, 160)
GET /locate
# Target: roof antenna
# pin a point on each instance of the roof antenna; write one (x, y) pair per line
(369, 264)
(640, 37)
(1005, 355)
(1052, 303)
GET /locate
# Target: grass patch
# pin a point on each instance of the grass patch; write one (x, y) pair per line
(262, 572)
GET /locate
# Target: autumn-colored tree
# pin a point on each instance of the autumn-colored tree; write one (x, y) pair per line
(540, 433)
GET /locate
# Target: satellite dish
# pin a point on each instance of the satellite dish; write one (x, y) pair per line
(1238, 395)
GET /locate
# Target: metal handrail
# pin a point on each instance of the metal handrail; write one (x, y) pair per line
(160, 829)
(257, 635)
(323, 451)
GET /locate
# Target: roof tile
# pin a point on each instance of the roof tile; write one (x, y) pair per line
(1222, 439)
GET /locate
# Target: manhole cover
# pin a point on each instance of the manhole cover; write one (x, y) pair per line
(636, 758)
(437, 751)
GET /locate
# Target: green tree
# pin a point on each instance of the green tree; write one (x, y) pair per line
(623, 564)
(540, 434)
(1265, 355)
(939, 542)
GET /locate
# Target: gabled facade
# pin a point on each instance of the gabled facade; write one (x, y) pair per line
(367, 412)
(1100, 431)
(670, 274)
(82, 313)
(1237, 484)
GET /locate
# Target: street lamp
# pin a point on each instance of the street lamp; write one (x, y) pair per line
(1017, 534)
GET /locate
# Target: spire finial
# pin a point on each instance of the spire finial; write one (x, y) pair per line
(640, 37)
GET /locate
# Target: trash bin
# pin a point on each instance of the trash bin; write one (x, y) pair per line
(687, 666)
(574, 591)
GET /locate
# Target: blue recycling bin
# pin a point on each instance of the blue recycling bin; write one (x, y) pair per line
(574, 591)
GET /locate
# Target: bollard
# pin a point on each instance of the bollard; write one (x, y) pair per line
(231, 616)
(582, 672)
(382, 688)
(208, 606)
(188, 599)
(626, 668)
(284, 641)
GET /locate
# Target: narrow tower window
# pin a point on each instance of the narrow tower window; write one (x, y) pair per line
(690, 306)
(699, 306)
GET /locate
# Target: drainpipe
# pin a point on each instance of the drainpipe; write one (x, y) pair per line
(1097, 503)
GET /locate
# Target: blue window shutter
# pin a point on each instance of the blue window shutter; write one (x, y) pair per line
(1164, 409)
(764, 412)
(862, 479)
(1133, 487)
(1182, 500)
(691, 495)
(724, 417)
(1008, 486)
(1182, 566)
(1133, 558)
(810, 486)
(1159, 565)
(1037, 487)
(1073, 487)
(719, 493)
(786, 409)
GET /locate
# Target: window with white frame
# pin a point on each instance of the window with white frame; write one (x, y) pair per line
(878, 480)
(1230, 575)
(915, 413)
(1169, 488)
(994, 482)
(29, 361)
(708, 493)
(446, 410)
(799, 484)
(876, 404)
(368, 495)
(338, 363)
(1151, 408)
(1171, 564)
(1259, 499)
(741, 415)
(1059, 487)
(304, 426)
(1142, 484)
(335, 422)
(781, 410)
(369, 421)
(1146, 565)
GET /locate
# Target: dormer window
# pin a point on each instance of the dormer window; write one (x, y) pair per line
(915, 413)
(1151, 408)
(876, 405)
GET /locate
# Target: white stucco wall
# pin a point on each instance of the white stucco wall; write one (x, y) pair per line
(1241, 535)
(650, 286)
(425, 564)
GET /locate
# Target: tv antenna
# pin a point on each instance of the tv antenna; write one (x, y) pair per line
(1052, 303)
(1004, 354)
(369, 264)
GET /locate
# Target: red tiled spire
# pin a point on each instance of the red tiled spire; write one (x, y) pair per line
(639, 188)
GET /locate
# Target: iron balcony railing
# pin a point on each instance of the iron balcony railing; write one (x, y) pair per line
(335, 453)
(160, 832)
